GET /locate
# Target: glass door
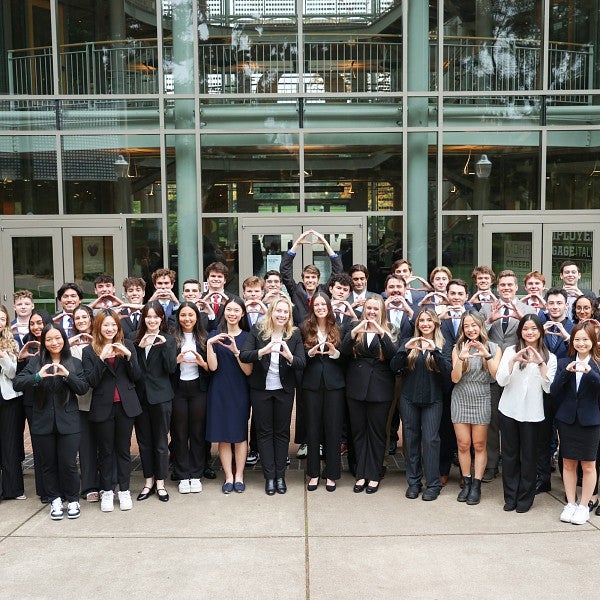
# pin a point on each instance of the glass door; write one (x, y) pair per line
(32, 260)
(513, 246)
(262, 243)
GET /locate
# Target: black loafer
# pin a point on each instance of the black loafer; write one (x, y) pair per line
(592, 504)
(209, 473)
(359, 487)
(280, 486)
(270, 487)
(413, 491)
(144, 495)
(509, 506)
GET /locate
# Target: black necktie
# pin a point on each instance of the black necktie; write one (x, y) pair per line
(505, 319)
(136, 319)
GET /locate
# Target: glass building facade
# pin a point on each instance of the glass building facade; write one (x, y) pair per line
(141, 133)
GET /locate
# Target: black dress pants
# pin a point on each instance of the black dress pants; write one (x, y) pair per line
(152, 431)
(519, 461)
(323, 415)
(88, 455)
(545, 442)
(58, 456)
(11, 447)
(114, 442)
(272, 411)
(37, 461)
(188, 430)
(368, 422)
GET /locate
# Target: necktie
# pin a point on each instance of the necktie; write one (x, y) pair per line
(340, 318)
(397, 318)
(135, 319)
(69, 326)
(505, 319)
(216, 298)
(455, 323)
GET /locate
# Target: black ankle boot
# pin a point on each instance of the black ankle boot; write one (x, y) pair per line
(475, 494)
(464, 493)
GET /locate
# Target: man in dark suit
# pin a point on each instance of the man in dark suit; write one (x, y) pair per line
(501, 320)
(135, 290)
(216, 297)
(570, 276)
(558, 332)
(69, 296)
(359, 276)
(339, 286)
(416, 287)
(301, 293)
(164, 281)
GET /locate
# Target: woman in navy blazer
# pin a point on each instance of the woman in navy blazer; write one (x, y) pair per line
(576, 391)
(111, 367)
(323, 386)
(275, 348)
(369, 345)
(56, 377)
(157, 356)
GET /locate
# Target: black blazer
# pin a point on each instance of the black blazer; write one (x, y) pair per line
(55, 400)
(129, 331)
(258, 377)
(421, 386)
(323, 369)
(103, 379)
(204, 377)
(367, 377)
(155, 384)
(582, 403)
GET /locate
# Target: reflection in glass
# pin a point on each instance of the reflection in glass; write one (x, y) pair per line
(459, 245)
(144, 250)
(219, 243)
(384, 246)
(33, 269)
(513, 251)
(267, 250)
(92, 256)
(340, 243)
(576, 246)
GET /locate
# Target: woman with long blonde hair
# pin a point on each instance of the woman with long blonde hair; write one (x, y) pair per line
(369, 346)
(424, 362)
(475, 361)
(274, 347)
(11, 414)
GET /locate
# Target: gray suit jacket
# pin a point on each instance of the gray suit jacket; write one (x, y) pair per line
(509, 337)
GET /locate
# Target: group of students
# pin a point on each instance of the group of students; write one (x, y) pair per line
(488, 375)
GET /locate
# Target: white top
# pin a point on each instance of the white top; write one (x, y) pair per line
(522, 398)
(273, 382)
(579, 374)
(188, 371)
(8, 370)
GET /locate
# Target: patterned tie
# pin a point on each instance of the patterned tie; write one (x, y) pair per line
(70, 325)
(216, 298)
(505, 319)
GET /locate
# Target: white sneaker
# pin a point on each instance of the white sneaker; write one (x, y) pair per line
(107, 501)
(56, 509)
(125, 500)
(568, 511)
(581, 515)
(195, 486)
(73, 510)
(184, 486)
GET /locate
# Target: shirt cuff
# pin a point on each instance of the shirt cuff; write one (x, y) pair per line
(291, 253)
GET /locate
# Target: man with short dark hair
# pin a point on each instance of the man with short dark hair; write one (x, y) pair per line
(69, 296)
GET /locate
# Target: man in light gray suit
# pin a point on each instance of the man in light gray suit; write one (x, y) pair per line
(501, 320)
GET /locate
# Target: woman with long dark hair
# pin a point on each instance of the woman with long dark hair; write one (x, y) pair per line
(157, 357)
(111, 367)
(576, 391)
(323, 385)
(56, 377)
(83, 319)
(190, 383)
(229, 394)
(275, 349)
(38, 319)
(11, 415)
(369, 345)
(526, 371)
(424, 362)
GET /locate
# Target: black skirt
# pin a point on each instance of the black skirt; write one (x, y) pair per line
(578, 442)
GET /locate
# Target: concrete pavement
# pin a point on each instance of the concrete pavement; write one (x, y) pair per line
(302, 545)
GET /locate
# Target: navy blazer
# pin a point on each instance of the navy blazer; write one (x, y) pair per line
(555, 343)
(258, 378)
(155, 383)
(582, 403)
(368, 377)
(55, 403)
(104, 378)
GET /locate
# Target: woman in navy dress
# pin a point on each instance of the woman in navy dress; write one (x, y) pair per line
(228, 393)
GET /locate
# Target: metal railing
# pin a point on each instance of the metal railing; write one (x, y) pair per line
(246, 66)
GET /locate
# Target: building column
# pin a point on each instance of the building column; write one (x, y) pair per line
(417, 202)
(185, 145)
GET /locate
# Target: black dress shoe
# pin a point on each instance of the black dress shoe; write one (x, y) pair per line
(509, 506)
(280, 486)
(330, 487)
(209, 473)
(592, 504)
(523, 509)
(372, 489)
(359, 487)
(312, 487)
(542, 486)
(270, 487)
(393, 448)
(430, 494)
(162, 497)
(598, 511)
(144, 495)
(413, 491)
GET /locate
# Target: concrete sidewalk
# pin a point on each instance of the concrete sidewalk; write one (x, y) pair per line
(301, 545)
